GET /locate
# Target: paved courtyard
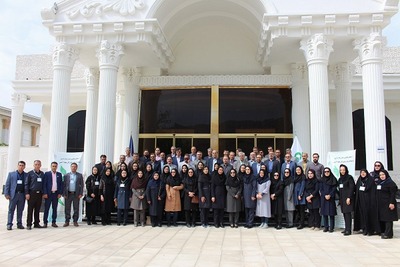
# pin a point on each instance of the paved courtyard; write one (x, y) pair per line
(180, 246)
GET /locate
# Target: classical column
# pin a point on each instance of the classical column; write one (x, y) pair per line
(370, 54)
(92, 86)
(301, 105)
(343, 74)
(131, 112)
(119, 120)
(316, 51)
(64, 57)
(14, 141)
(109, 55)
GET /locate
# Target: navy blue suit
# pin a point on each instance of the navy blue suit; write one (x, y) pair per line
(52, 196)
(176, 160)
(210, 163)
(254, 167)
(16, 198)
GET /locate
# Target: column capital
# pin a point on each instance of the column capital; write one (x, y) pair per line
(316, 48)
(64, 55)
(299, 73)
(342, 72)
(110, 54)
(92, 77)
(132, 75)
(18, 100)
(370, 48)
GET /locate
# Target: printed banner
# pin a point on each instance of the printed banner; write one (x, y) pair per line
(64, 161)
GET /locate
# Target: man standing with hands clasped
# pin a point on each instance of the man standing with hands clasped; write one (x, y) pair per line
(34, 185)
(15, 193)
(53, 189)
(73, 191)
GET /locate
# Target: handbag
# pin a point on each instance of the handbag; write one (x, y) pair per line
(88, 199)
(195, 200)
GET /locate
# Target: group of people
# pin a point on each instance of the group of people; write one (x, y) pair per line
(163, 185)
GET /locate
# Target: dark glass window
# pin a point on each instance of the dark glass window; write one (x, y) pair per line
(255, 110)
(175, 111)
(76, 131)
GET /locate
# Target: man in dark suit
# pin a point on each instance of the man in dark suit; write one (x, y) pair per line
(102, 164)
(256, 166)
(53, 189)
(272, 165)
(34, 185)
(73, 192)
(214, 159)
(15, 192)
(288, 164)
(154, 163)
(226, 165)
(178, 157)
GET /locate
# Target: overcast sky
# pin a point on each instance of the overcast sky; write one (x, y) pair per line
(22, 33)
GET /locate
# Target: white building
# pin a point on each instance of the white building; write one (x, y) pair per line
(218, 73)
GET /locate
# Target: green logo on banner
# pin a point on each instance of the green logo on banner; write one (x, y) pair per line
(298, 156)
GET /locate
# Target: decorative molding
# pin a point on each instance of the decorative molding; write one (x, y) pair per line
(98, 8)
(222, 80)
(342, 72)
(64, 55)
(370, 48)
(18, 100)
(109, 54)
(317, 47)
(132, 75)
(299, 73)
(92, 78)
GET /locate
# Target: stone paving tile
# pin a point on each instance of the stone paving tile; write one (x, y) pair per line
(98, 245)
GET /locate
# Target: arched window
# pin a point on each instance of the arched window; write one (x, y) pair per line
(76, 131)
(359, 140)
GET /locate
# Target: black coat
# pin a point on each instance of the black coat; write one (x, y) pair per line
(154, 190)
(328, 207)
(218, 190)
(107, 190)
(93, 208)
(385, 195)
(365, 210)
(312, 188)
(276, 188)
(189, 185)
(204, 187)
(346, 190)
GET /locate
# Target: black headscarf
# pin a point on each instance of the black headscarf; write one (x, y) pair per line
(388, 178)
(261, 180)
(204, 178)
(346, 175)
(287, 180)
(299, 178)
(234, 181)
(366, 177)
(218, 179)
(108, 179)
(311, 183)
(375, 174)
(248, 178)
(174, 180)
(164, 176)
(330, 179)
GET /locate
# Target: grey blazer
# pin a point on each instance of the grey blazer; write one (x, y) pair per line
(78, 187)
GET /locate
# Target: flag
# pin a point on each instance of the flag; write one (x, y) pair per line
(131, 148)
(297, 151)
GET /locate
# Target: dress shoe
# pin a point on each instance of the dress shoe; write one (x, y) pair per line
(343, 231)
(94, 222)
(188, 225)
(331, 230)
(289, 226)
(9, 227)
(118, 224)
(45, 225)
(347, 233)
(279, 227)
(66, 224)
(236, 226)
(29, 227)
(325, 230)
(193, 225)
(76, 224)
(38, 226)
(124, 224)
(20, 227)
(217, 226)
(54, 225)
(300, 227)
(386, 237)
(222, 225)
(89, 223)
(232, 226)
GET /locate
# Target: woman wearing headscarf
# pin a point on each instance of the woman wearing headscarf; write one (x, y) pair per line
(110, 166)
(378, 166)
(184, 172)
(148, 171)
(263, 208)
(93, 208)
(106, 189)
(173, 201)
(134, 170)
(155, 195)
(327, 189)
(365, 210)
(122, 195)
(204, 187)
(139, 202)
(311, 193)
(386, 198)
(122, 167)
(165, 174)
(199, 168)
(276, 192)
(346, 196)
(218, 196)
(234, 187)
(298, 195)
(288, 199)
(191, 198)
(249, 196)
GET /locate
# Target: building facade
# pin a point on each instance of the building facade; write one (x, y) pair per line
(220, 74)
